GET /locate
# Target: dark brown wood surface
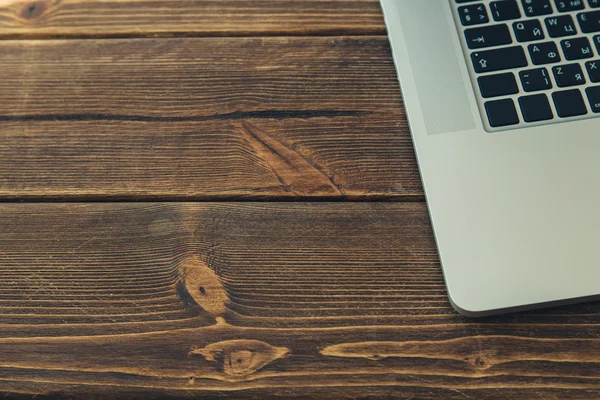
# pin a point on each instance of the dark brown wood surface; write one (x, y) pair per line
(112, 102)
(144, 18)
(262, 300)
(203, 118)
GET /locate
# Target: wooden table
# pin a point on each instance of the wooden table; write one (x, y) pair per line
(206, 198)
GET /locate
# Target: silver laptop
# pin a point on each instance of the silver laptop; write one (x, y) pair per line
(503, 100)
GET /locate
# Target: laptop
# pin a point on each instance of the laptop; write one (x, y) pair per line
(503, 101)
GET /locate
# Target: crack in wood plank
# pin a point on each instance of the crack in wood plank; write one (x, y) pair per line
(236, 115)
(293, 170)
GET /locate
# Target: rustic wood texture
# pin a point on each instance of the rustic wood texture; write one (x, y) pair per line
(262, 300)
(142, 18)
(226, 100)
(210, 118)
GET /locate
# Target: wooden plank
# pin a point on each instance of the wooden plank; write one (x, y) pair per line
(203, 119)
(142, 18)
(262, 300)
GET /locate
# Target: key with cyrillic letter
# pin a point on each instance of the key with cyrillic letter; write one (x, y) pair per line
(589, 21)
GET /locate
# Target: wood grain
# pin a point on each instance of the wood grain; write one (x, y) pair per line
(197, 119)
(143, 18)
(262, 300)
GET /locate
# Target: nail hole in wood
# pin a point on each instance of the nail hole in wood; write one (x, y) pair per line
(202, 290)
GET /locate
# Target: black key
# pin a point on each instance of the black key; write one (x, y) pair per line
(473, 15)
(596, 41)
(577, 49)
(527, 31)
(569, 103)
(593, 69)
(568, 75)
(569, 5)
(505, 10)
(562, 25)
(535, 79)
(535, 8)
(499, 59)
(589, 21)
(488, 36)
(498, 85)
(594, 3)
(501, 113)
(535, 108)
(544, 53)
(593, 95)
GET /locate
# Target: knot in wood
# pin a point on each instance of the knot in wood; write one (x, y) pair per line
(480, 361)
(34, 10)
(203, 286)
(241, 357)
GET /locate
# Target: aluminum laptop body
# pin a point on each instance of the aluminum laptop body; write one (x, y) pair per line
(516, 207)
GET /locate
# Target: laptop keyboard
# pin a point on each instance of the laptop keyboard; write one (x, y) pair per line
(532, 62)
